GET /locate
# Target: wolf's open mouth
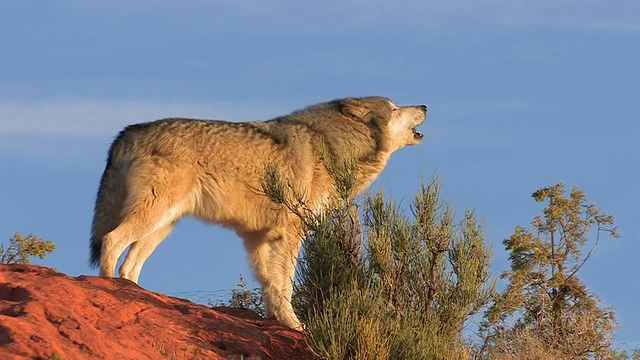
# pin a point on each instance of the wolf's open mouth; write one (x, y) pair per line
(417, 134)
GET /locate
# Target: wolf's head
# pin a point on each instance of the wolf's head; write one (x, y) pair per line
(396, 123)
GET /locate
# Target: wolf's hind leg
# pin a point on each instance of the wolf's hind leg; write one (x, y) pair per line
(140, 251)
(114, 243)
(143, 220)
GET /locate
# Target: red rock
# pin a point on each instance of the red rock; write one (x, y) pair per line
(43, 312)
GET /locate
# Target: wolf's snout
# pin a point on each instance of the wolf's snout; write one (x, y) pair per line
(420, 112)
(417, 135)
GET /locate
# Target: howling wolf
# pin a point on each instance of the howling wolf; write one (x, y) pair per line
(158, 172)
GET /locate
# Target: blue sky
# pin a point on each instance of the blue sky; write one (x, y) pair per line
(521, 95)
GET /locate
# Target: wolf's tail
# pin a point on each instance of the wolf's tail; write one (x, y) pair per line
(111, 197)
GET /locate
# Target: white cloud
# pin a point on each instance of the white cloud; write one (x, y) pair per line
(616, 26)
(456, 17)
(79, 118)
(481, 18)
(432, 18)
(77, 131)
(591, 15)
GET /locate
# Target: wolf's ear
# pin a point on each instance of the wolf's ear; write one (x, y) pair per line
(355, 109)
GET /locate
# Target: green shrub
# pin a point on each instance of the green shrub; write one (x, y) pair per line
(21, 249)
(375, 283)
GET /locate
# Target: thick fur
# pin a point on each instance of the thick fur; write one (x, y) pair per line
(160, 171)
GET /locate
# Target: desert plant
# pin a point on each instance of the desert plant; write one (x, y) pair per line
(21, 249)
(244, 298)
(545, 304)
(375, 283)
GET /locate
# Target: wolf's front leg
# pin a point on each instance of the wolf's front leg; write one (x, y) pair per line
(273, 256)
(281, 270)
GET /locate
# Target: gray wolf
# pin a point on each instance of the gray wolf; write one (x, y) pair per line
(157, 172)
